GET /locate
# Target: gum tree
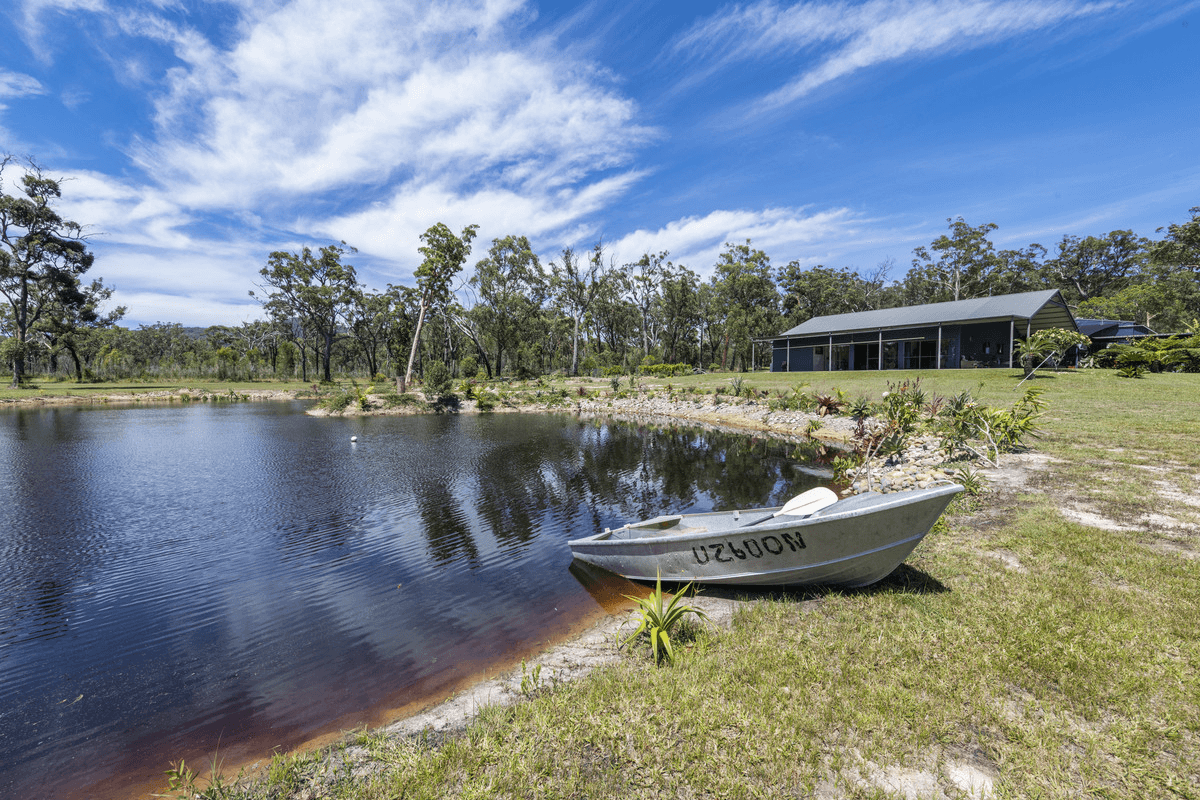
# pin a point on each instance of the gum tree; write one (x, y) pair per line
(747, 293)
(317, 291)
(960, 267)
(576, 287)
(444, 255)
(42, 260)
(511, 291)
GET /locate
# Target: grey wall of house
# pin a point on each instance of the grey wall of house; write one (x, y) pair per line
(987, 344)
(984, 344)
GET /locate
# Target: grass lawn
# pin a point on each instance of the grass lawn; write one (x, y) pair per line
(49, 389)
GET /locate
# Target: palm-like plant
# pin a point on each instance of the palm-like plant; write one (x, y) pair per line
(658, 620)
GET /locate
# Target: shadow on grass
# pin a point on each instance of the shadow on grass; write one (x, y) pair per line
(903, 580)
(609, 589)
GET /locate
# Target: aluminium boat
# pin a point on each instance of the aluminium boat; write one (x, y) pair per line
(815, 539)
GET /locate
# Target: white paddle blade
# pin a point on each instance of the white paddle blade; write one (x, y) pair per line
(809, 502)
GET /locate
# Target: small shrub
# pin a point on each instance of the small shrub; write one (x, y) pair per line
(468, 367)
(973, 481)
(843, 467)
(437, 379)
(860, 409)
(829, 405)
(395, 400)
(339, 401)
(658, 621)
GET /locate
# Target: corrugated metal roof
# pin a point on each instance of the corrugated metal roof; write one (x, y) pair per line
(1047, 305)
(1112, 327)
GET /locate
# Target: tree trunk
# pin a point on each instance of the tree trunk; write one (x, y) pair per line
(575, 349)
(22, 320)
(78, 366)
(326, 354)
(412, 354)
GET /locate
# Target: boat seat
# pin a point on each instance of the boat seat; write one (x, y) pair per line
(651, 533)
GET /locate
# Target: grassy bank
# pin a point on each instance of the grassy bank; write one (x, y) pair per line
(1019, 652)
(70, 391)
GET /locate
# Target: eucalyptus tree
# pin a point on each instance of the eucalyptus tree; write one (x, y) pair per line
(511, 289)
(749, 300)
(711, 322)
(960, 267)
(467, 321)
(371, 319)
(1181, 246)
(1021, 270)
(405, 302)
(42, 259)
(679, 311)
(260, 342)
(576, 287)
(1175, 268)
(821, 291)
(318, 291)
(65, 324)
(644, 277)
(614, 318)
(444, 255)
(1154, 303)
(1098, 265)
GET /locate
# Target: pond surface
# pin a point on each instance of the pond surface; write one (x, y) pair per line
(178, 580)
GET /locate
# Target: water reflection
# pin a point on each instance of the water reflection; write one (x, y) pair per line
(175, 577)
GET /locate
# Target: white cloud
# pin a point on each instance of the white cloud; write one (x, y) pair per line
(396, 225)
(192, 286)
(317, 97)
(17, 84)
(365, 122)
(852, 37)
(783, 233)
(194, 310)
(118, 212)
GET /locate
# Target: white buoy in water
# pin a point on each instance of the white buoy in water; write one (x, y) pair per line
(354, 438)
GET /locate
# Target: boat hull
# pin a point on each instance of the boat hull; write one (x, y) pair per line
(854, 542)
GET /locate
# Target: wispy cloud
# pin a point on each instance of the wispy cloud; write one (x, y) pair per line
(366, 122)
(842, 38)
(16, 84)
(784, 233)
(317, 97)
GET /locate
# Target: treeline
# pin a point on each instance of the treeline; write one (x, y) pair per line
(512, 314)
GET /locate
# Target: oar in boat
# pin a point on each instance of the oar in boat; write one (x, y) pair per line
(803, 505)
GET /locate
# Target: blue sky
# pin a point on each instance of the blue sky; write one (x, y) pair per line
(198, 137)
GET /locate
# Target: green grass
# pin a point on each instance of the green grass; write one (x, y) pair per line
(70, 389)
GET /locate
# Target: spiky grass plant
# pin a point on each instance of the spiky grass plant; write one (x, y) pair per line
(658, 620)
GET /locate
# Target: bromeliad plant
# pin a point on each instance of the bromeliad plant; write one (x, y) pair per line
(658, 620)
